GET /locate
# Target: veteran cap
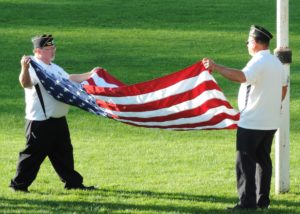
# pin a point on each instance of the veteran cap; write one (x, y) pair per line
(42, 41)
(260, 33)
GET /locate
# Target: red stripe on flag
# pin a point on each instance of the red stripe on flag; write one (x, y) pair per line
(91, 81)
(107, 77)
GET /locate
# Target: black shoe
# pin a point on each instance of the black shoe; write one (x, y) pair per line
(81, 187)
(24, 189)
(240, 207)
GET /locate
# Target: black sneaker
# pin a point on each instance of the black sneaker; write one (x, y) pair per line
(240, 207)
(24, 189)
(81, 187)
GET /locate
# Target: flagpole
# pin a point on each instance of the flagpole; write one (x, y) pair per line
(282, 141)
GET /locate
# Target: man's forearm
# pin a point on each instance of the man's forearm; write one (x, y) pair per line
(230, 73)
(80, 77)
(24, 78)
(284, 92)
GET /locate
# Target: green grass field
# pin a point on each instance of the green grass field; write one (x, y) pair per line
(137, 170)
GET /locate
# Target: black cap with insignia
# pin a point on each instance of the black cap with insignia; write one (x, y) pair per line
(260, 33)
(42, 41)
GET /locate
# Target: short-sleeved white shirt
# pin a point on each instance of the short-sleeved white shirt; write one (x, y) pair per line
(265, 73)
(54, 108)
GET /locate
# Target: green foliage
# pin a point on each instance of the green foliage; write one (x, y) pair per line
(137, 170)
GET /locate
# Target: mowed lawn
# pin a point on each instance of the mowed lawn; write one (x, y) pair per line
(138, 170)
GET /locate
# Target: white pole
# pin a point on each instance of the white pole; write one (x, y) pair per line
(282, 143)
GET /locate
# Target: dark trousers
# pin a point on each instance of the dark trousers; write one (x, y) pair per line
(254, 166)
(46, 138)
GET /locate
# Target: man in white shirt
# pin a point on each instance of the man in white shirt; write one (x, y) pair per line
(263, 87)
(47, 132)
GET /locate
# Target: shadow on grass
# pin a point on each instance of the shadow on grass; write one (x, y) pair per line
(168, 196)
(189, 197)
(130, 201)
(36, 206)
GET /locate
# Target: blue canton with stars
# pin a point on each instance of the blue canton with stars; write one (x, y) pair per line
(67, 91)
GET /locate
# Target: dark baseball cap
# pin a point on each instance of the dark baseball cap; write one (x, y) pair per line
(42, 41)
(260, 33)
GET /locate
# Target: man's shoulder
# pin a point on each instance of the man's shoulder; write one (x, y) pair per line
(264, 57)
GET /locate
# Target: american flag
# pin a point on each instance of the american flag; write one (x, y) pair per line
(189, 99)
